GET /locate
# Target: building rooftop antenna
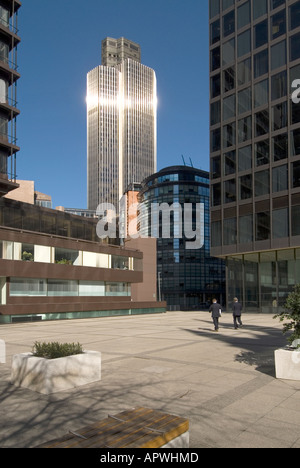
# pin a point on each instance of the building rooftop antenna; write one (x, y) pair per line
(183, 159)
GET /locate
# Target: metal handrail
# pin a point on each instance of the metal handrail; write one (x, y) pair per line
(12, 65)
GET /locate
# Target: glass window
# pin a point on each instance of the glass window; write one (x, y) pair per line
(229, 52)
(229, 79)
(227, 4)
(28, 287)
(296, 174)
(278, 55)
(261, 63)
(260, 8)
(279, 116)
(229, 163)
(230, 231)
(262, 153)
(244, 15)
(230, 191)
(215, 86)
(245, 129)
(244, 101)
(246, 229)
(119, 263)
(261, 34)
(295, 142)
(280, 147)
(214, 8)
(262, 183)
(244, 43)
(216, 167)
(216, 140)
(276, 3)
(245, 187)
(215, 113)
(279, 85)
(262, 225)
(62, 288)
(278, 24)
(229, 23)
(216, 234)
(244, 72)
(261, 123)
(117, 289)
(4, 16)
(245, 158)
(216, 194)
(66, 256)
(215, 32)
(280, 223)
(280, 178)
(294, 19)
(229, 135)
(215, 58)
(295, 220)
(229, 107)
(91, 288)
(261, 93)
(295, 47)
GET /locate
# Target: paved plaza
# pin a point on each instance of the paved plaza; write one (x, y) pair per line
(224, 383)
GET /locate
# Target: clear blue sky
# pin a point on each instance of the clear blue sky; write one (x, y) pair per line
(61, 43)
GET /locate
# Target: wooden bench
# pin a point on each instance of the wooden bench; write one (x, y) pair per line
(135, 428)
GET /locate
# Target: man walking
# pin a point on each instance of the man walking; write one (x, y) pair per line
(216, 313)
(237, 313)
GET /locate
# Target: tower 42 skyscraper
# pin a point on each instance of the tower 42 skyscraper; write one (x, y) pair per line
(121, 122)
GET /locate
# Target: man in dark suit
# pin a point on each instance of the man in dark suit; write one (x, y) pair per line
(237, 313)
(216, 313)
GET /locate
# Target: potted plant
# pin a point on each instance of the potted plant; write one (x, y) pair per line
(287, 360)
(27, 256)
(54, 367)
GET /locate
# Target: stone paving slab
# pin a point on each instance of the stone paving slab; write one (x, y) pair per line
(224, 383)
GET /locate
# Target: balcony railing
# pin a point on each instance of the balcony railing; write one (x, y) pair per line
(7, 61)
(9, 25)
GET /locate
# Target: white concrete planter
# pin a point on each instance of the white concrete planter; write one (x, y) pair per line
(55, 375)
(287, 364)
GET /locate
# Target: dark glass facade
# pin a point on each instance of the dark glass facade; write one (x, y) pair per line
(254, 155)
(188, 279)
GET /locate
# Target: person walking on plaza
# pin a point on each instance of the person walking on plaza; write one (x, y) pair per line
(237, 313)
(216, 313)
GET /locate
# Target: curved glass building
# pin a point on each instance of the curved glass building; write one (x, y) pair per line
(188, 278)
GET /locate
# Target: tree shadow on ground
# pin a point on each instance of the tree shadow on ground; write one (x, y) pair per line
(257, 345)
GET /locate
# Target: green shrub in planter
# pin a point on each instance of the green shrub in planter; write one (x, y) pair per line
(56, 350)
(291, 315)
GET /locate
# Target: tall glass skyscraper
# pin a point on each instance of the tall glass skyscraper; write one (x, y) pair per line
(121, 122)
(255, 147)
(188, 278)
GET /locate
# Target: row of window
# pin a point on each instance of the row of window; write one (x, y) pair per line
(261, 32)
(242, 46)
(43, 287)
(39, 253)
(242, 159)
(278, 149)
(257, 185)
(259, 7)
(257, 227)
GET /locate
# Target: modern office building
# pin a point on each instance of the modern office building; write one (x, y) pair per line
(188, 278)
(121, 122)
(9, 75)
(255, 148)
